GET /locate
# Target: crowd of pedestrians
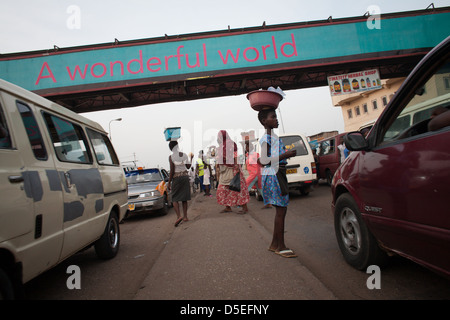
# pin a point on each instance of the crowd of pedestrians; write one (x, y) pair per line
(266, 172)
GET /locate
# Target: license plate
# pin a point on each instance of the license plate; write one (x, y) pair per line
(131, 206)
(289, 171)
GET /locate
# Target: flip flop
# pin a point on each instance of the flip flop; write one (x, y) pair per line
(288, 253)
(178, 221)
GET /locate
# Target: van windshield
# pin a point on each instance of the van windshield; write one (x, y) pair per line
(295, 143)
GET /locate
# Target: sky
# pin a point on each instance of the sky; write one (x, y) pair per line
(41, 24)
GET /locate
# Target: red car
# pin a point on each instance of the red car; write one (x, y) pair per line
(392, 195)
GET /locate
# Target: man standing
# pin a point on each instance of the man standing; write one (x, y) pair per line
(200, 170)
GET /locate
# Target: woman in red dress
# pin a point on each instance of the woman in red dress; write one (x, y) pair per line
(226, 168)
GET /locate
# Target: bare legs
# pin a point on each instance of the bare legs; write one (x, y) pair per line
(176, 206)
(278, 245)
(278, 230)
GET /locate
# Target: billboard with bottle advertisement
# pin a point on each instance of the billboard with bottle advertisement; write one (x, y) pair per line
(354, 82)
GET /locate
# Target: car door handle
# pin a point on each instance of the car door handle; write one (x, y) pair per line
(15, 179)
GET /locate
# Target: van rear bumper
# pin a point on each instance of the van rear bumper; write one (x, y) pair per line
(303, 184)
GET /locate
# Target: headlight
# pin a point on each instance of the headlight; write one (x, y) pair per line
(147, 194)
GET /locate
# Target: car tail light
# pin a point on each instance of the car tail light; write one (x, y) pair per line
(313, 167)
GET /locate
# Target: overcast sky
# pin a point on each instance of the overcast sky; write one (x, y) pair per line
(41, 24)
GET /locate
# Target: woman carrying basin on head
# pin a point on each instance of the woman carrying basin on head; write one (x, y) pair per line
(273, 158)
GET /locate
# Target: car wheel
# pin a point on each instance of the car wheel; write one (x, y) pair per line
(358, 246)
(108, 245)
(165, 209)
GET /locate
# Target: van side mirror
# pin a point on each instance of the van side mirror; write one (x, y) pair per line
(355, 141)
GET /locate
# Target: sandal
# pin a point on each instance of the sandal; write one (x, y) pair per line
(287, 253)
(178, 221)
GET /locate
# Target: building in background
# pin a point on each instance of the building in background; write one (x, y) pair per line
(363, 108)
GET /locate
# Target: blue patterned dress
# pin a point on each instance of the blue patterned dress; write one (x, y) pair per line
(271, 190)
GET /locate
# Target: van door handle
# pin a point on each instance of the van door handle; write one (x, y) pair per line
(15, 179)
(68, 182)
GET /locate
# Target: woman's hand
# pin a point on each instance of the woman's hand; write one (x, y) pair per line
(290, 153)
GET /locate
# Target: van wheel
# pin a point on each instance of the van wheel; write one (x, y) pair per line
(108, 245)
(304, 191)
(6, 286)
(329, 177)
(358, 246)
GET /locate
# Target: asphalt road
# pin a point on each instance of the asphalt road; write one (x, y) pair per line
(225, 256)
(310, 233)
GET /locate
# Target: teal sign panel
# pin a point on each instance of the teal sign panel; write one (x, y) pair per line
(90, 68)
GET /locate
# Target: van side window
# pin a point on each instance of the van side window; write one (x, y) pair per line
(68, 140)
(33, 132)
(430, 99)
(326, 147)
(104, 152)
(5, 139)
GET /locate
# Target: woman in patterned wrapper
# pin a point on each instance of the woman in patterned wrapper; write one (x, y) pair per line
(227, 161)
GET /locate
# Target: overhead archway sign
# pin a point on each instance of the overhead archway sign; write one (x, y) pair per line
(226, 62)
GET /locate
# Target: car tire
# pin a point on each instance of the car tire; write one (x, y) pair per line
(6, 286)
(357, 244)
(166, 205)
(108, 245)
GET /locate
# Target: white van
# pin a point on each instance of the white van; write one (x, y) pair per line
(301, 169)
(61, 186)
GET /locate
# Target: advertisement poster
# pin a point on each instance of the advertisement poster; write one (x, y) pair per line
(354, 82)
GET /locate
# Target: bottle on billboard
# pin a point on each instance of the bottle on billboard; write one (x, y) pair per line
(346, 85)
(337, 87)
